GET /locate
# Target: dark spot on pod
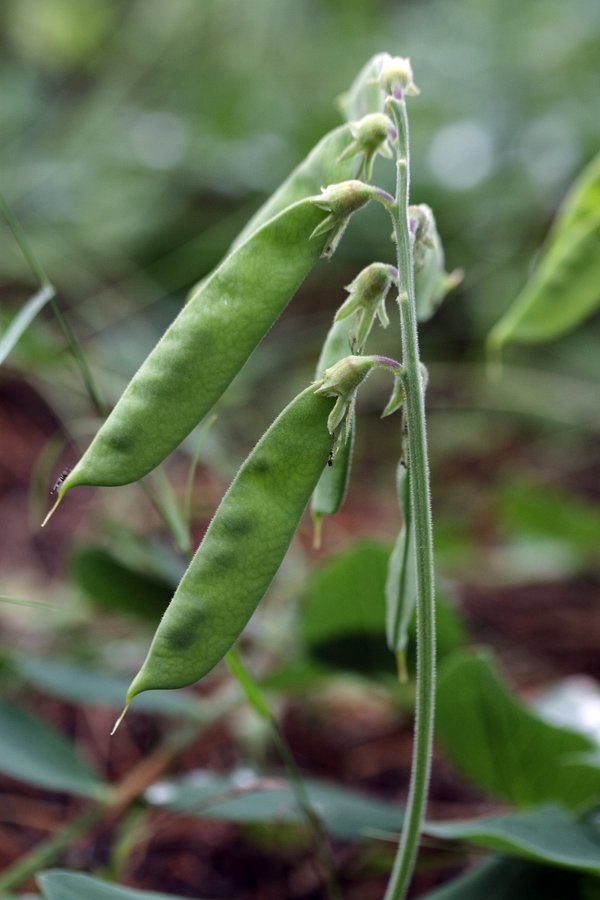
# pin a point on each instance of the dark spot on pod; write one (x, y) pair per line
(181, 637)
(237, 525)
(259, 465)
(60, 480)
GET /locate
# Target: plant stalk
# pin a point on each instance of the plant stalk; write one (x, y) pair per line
(421, 511)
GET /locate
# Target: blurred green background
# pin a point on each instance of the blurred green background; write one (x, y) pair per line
(136, 140)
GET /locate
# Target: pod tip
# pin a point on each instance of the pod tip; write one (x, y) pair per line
(120, 719)
(317, 531)
(52, 509)
(401, 665)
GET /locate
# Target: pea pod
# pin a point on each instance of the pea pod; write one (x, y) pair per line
(322, 166)
(242, 549)
(563, 290)
(331, 489)
(203, 349)
(401, 581)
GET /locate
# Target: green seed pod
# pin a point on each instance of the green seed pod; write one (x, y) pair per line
(242, 549)
(325, 164)
(203, 349)
(401, 581)
(432, 283)
(331, 489)
(365, 95)
(582, 200)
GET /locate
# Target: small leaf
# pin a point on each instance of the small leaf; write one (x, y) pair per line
(60, 884)
(23, 319)
(511, 752)
(112, 584)
(506, 878)
(548, 834)
(563, 290)
(33, 752)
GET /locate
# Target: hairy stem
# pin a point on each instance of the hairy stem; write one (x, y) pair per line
(421, 513)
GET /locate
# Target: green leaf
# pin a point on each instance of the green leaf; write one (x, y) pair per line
(59, 884)
(563, 290)
(23, 320)
(510, 752)
(79, 684)
(112, 584)
(344, 616)
(582, 200)
(546, 510)
(506, 878)
(243, 796)
(548, 834)
(34, 752)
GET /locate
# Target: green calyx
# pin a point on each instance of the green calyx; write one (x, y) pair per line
(340, 201)
(366, 301)
(371, 136)
(342, 381)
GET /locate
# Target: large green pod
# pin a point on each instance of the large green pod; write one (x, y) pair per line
(242, 549)
(203, 349)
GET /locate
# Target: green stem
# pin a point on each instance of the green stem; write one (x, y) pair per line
(260, 704)
(46, 852)
(421, 512)
(41, 277)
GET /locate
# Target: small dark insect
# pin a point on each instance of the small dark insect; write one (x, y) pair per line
(330, 458)
(59, 480)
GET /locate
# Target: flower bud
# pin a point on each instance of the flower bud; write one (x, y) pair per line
(367, 297)
(371, 135)
(396, 77)
(341, 200)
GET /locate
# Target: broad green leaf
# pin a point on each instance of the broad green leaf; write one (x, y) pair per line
(79, 684)
(33, 752)
(563, 290)
(112, 584)
(60, 884)
(23, 320)
(582, 200)
(510, 752)
(506, 878)
(548, 834)
(343, 620)
(243, 796)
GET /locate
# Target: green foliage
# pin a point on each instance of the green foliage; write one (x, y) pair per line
(511, 752)
(547, 834)
(505, 878)
(36, 753)
(249, 798)
(563, 289)
(111, 584)
(59, 884)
